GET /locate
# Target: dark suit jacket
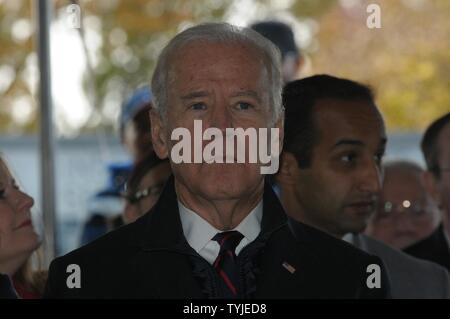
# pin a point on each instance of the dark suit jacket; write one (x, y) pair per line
(150, 258)
(6, 288)
(433, 248)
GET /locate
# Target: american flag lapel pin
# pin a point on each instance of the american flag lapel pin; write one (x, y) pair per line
(288, 267)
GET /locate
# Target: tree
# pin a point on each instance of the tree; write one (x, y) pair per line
(406, 60)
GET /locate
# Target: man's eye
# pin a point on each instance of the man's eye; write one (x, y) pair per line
(198, 106)
(348, 158)
(243, 106)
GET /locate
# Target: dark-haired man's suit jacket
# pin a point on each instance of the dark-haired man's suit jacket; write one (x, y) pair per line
(410, 278)
(434, 248)
(151, 259)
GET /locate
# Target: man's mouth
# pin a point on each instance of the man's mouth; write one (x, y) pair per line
(363, 206)
(220, 159)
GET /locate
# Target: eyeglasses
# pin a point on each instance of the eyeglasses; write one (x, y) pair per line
(417, 210)
(154, 190)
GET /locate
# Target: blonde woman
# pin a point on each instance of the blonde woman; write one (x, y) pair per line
(18, 238)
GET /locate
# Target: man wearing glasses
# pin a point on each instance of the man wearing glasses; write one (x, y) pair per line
(406, 212)
(436, 150)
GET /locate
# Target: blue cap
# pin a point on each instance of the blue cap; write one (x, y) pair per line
(118, 176)
(138, 100)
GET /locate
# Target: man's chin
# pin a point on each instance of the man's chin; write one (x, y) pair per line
(226, 190)
(221, 181)
(355, 225)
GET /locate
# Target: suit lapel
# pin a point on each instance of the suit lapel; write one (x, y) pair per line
(282, 263)
(163, 263)
(286, 266)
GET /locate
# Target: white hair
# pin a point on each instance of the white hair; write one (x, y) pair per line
(219, 33)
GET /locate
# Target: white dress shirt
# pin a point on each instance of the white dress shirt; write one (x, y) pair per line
(199, 232)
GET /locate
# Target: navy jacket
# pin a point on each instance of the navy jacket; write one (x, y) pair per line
(6, 288)
(151, 258)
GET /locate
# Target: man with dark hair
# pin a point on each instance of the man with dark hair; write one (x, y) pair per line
(283, 37)
(436, 150)
(330, 174)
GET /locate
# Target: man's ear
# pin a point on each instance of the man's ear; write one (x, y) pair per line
(159, 137)
(287, 174)
(300, 63)
(432, 186)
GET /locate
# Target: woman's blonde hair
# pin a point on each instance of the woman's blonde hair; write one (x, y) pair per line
(31, 274)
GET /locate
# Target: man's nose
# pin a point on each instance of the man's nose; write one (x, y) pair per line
(403, 222)
(371, 178)
(221, 117)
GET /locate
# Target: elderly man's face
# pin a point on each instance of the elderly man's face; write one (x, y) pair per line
(224, 86)
(406, 212)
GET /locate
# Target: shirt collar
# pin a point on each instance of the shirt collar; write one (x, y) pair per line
(348, 238)
(199, 232)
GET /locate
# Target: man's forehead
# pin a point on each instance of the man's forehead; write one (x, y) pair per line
(196, 67)
(400, 189)
(396, 177)
(356, 119)
(202, 49)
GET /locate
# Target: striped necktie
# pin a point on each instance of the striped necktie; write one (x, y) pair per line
(225, 263)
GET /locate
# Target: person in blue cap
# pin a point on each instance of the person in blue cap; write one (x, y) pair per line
(135, 124)
(105, 208)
